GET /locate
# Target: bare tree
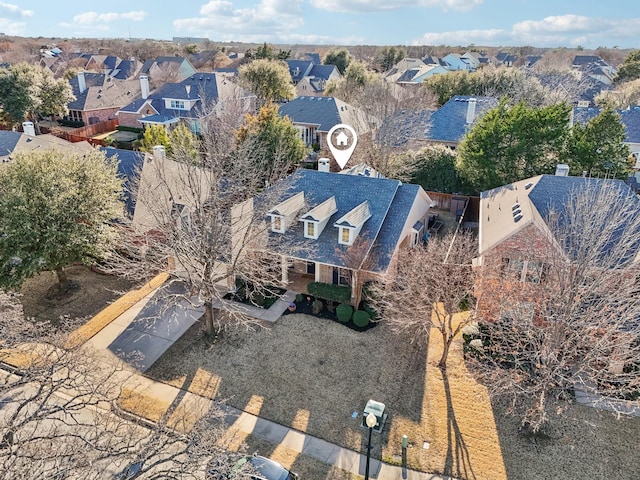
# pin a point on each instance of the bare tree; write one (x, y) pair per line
(431, 284)
(201, 223)
(62, 415)
(560, 312)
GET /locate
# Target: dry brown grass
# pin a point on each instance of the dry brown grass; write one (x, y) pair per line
(311, 374)
(112, 311)
(143, 405)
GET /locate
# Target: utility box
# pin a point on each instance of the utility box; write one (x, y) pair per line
(323, 165)
(379, 410)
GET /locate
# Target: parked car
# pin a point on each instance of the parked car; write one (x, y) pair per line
(262, 468)
(130, 471)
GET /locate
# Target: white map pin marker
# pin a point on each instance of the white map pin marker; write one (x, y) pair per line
(343, 146)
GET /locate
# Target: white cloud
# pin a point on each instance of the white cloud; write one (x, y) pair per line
(378, 5)
(14, 10)
(464, 37)
(99, 19)
(268, 19)
(565, 30)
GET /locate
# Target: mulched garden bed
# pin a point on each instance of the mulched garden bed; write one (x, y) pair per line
(305, 306)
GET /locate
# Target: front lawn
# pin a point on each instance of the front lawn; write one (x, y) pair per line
(312, 374)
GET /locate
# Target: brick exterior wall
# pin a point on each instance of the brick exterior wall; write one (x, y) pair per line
(498, 287)
(89, 116)
(129, 119)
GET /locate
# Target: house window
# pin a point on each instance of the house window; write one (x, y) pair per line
(182, 216)
(531, 271)
(341, 276)
(345, 236)
(177, 105)
(311, 229)
(536, 271)
(277, 224)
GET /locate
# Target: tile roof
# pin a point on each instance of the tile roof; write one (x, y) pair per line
(449, 122)
(349, 192)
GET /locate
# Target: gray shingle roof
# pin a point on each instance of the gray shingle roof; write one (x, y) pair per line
(449, 122)
(630, 119)
(129, 164)
(552, 193)
(8, 141)
(197, 87)
(321, 111)
(389, 202)
(298, 69)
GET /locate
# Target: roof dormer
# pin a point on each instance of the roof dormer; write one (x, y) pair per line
(283, 214)
(317, 218)
(350, 224)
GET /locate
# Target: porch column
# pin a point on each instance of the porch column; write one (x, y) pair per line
(284, 265)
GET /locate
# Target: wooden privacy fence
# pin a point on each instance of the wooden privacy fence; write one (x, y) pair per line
(455, 203)
(88, 131)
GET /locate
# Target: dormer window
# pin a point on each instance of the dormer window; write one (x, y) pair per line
(178, 105)
(345, 235)
(350, 224)
(317, 218)
(310, 230)
(277, 224)
(283, 214)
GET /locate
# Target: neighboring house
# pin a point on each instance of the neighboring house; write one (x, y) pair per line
(455, 62)
(311, 78)
(630, 118)
(14, 142)
(315, 116)
(514, 231)
(343, 229)
(167, 69)
(402, 66)
(415, 76)
(190, 100)
(531, 60)
(506, 59)
(316, 80)
(405, 128)
(577, 88)
(454, 119)
(594, 67)
(475, 59)
(99, 97)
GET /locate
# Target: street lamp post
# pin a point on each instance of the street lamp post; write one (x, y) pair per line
(371, 421)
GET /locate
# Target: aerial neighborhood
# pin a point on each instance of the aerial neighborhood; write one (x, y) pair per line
(281, 261)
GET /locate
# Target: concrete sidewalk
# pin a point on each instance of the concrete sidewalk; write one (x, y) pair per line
(238, 420)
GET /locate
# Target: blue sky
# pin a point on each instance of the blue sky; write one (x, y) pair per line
(540, 23)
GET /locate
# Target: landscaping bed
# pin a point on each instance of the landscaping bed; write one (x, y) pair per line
(315, 307)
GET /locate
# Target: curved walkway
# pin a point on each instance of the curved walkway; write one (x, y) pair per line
(238, 420)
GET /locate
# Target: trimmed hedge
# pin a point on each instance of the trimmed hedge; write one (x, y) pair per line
(360, 318)
(328, 291)
(344, 312)
(123, 128)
